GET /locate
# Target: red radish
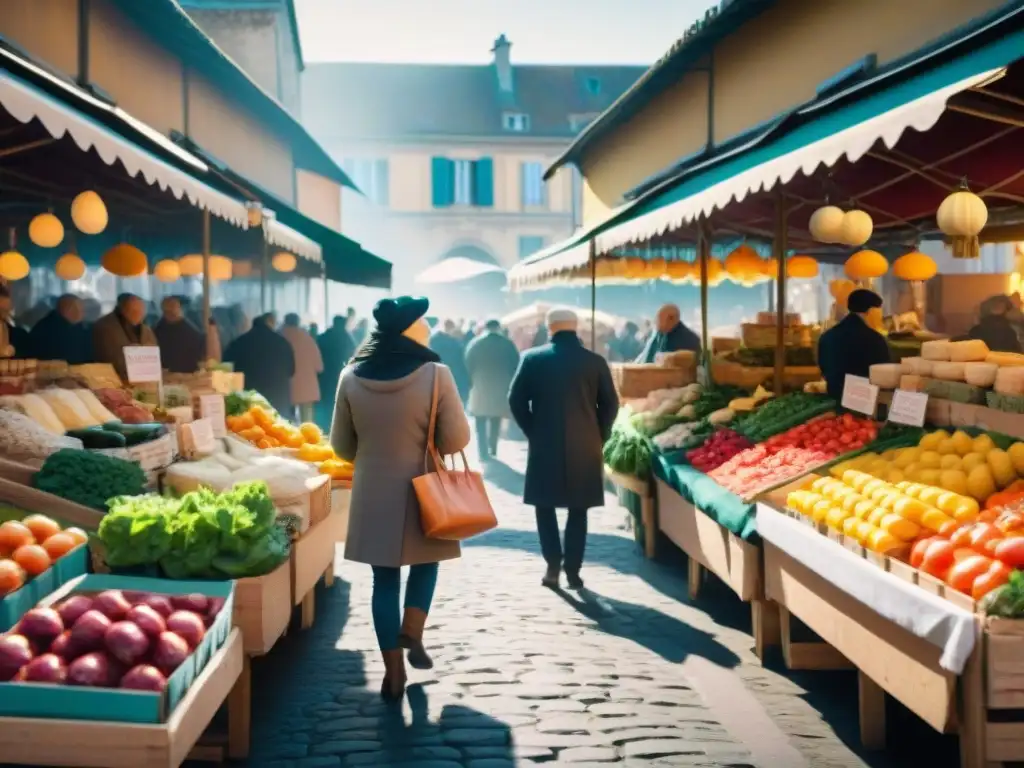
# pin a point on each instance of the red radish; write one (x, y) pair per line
(15, 653)
(170, 652)
(195, 602)
(87, 633)
(64, 647)
(126, 642)
(93, 669)
(144, 678)
(160, 604)
(112, 604)
(188, 626)
(41, 625)
(72, 609)
(149, 621)
(214, 606)
(47, 668)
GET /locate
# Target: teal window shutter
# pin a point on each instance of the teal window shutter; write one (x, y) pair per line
(442, 178)
(483, 182)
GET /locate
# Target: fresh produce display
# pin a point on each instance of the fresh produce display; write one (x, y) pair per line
(113, 639)
(123, 406)
(683, 435)
(29, 546)
(116, 434)
(628, 450)
(203, 534)
(23, 439)
(782, 413)
(718, 449)
(663, 408)
(88, 478)
(1006, 601)
(237, 403)
(765, 358)
(241, 462)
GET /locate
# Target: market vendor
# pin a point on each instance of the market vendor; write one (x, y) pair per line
(995, 326)
(670, 336)
(124, 327)
(852, 346)
(61, 334)
(182, 345)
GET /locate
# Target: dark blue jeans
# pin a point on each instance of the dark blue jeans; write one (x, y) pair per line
(387, 587)
(575, 539)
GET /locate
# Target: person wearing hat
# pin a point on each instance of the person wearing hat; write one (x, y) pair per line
(381, 418)
(266, 359)
(564, 401)
(995, 327)
(851, 346)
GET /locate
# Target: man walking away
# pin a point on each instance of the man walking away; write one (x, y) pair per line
(452, 352)
(266, 359)
(336, 349)
(491, 360)
(670, 335)
(308, 367)
(563, 399)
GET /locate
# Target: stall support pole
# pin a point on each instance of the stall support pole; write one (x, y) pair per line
(703, 253)
(327, 301)
(206, 271)
(780, 287)
(264, 267)
(593, 296)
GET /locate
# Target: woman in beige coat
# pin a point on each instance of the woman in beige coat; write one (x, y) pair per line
(380, 422)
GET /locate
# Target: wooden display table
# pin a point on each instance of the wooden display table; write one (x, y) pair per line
(648, 514)
(313, 559)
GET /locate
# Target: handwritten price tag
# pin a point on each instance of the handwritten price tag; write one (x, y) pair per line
(908, 408)
(212, 407)
(143, 364)
(202, 436)
(860, 395)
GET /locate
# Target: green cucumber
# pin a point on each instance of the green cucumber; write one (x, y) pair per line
(98, 437)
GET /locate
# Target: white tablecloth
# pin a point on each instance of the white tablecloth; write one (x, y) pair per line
(930, 617)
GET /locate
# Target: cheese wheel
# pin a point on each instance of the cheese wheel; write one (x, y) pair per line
(935, 350)
(885, 375)
(970, 351)
(980, 374)
(917, 365)
(948, 371)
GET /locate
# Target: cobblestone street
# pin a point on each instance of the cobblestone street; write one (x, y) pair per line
(629, 671)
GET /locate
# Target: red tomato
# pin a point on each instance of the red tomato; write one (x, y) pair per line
(1010, 521)
(918, 550)
(948, 528)
(961, 537)
(963, 553)
(938, 557)
(1011, 551)
(963, 575)
(989, 515)
(984, 533)
(997, 575)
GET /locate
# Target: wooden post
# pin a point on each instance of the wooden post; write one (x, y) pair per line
(327, 300)
(264, 269)
(703, 254)
(593, 295)
(206, 271)
(871, 707)
(780, 248)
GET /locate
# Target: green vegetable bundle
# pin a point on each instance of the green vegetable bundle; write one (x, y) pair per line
(1007, 601)
(88, 478)
(628, 451)
(202, 535)
(782, 413)
(237, 403)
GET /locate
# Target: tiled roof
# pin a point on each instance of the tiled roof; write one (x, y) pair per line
(360, 100)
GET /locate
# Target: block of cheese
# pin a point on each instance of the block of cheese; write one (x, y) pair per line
(1010, 381)
(1005, 359)
(935, 350)
(948, 371)
(970, 351)
(917, 366)
(885, 375)
(980, 374)
(911, 382)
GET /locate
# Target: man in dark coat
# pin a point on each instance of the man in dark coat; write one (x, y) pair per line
(336, 349)
(491, 360)
(563, 399)
(267, 360)
(995, 327)
(451, 350)
(670, 336)
(14, 340)
(182, 345)
(851, 346)
(61, 335)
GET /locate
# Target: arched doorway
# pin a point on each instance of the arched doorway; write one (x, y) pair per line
(476, 296)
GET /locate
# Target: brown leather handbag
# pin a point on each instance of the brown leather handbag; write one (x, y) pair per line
(453, 504)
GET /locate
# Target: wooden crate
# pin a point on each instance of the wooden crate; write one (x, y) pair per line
(33, 500)
(28, 741)
(637, 380)
(263, 608)
(313, 558)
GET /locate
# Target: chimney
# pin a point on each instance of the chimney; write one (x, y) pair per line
(503, 64)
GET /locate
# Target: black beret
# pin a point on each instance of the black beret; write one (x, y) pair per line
(861, 300)
(395, 315)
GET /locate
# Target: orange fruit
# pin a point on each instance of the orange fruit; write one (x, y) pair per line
(59, 545)
(294, 439)
(12, 577)
(264, 443)
(14, 534)
(77, 534)
(42, 527)
(33, 558)
(311, 432)
(244, 421)
(260, 416)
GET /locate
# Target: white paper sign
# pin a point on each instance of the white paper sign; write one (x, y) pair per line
(143, 364)
(908, 408)
(860, 395)
(212, 407)
(202, 436)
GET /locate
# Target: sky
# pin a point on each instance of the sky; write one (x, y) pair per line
(463, 31)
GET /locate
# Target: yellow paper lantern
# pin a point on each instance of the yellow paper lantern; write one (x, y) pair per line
(89, 213)
(13, 266)
(46, 231)
(655, 269)
(679, 271)
(283, 262)
(962, 216)
(801, 267)
(167, 271)
(770, 268)
(716, 272)
(69, 267)
(191, 265)
(915, 266)
(825, 224)
(743, 263)
(634, 269)
(840, 289)
(220, 268)
(856, 228)
(866, 265)
(125, 260)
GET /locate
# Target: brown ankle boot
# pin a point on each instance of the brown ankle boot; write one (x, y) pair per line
(412, 638)
(393, 686)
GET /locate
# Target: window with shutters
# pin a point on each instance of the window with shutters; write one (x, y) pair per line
(534, 192)
(462, 182)
(516, 122)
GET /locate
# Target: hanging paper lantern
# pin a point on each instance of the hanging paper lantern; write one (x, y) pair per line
(241, 268)
(716, 272)
(743, 263)
(220, 268)
(125, 260)
(89, 213)
(167, 271)
(866, 265)
(655, 269)
(283, 262)
(770, 268)
(840, 289)
(46, 231)
(915, 266)
(801, 267)
(962, 216)
(191, 265)
(825, 224)
(13, 266)
(678, 271)
(856, 228)
(635, 269)
(69, 267)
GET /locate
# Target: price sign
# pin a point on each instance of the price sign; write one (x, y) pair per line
(143, 364)
(202, 436)
(212, 407)
(860, 395)
(908, 408)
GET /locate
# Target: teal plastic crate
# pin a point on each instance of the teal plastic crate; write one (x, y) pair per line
(64, 702)
(71, 566)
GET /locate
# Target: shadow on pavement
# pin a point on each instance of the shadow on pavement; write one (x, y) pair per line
(505, 477)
